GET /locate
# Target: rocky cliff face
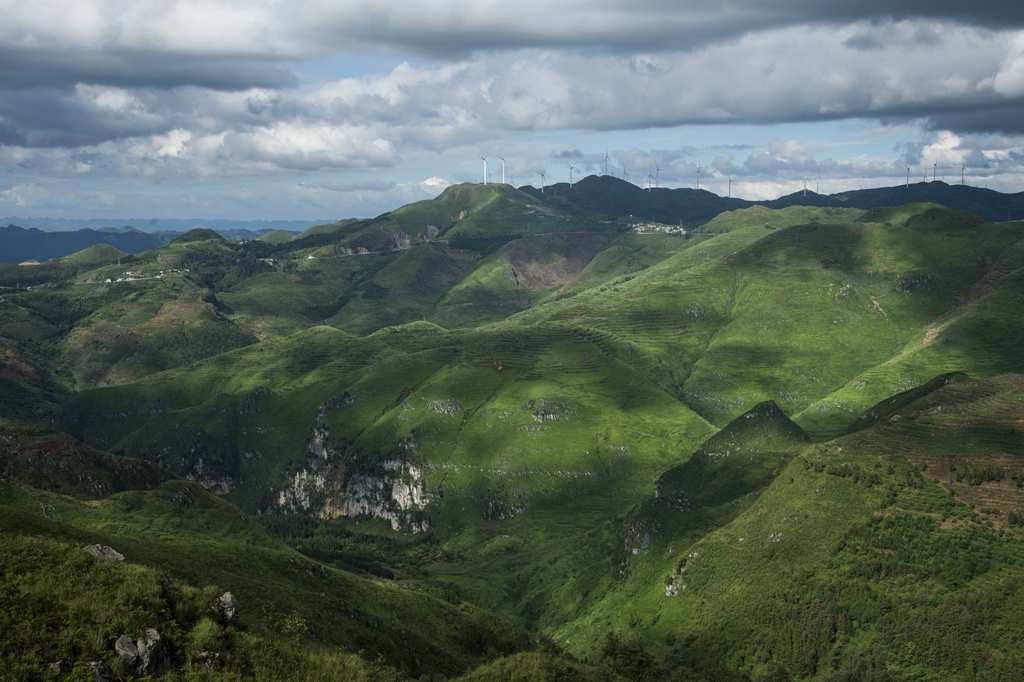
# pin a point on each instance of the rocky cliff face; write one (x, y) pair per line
(397, 494)
(340, 481)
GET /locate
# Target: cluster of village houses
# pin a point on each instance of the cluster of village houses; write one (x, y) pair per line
(642, 228)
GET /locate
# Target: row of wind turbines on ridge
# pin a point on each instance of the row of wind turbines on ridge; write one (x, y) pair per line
(655, 170)
(654, 175)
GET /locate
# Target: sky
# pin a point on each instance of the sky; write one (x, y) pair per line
(325, 109)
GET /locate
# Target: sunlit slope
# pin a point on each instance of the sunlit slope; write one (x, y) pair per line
(794, 313)
(276, 236)
(492, 424)
(879, 550)
(475, 211)
(327, 228)
(94, 255)
(978, 330)
(115, 323)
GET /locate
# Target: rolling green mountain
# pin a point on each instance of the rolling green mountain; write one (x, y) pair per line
(609, 196)
(780, 445)
(986, 203)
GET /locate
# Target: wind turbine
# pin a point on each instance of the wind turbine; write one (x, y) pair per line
(503, 167)
(485, 167)
(543, 173)
(657, 170)
(699, 175)
(805, 184)
(730, 187)
(963, 169)
(625, 175)
(817, 182)
(571, 169)
(935, 170)
(908, 176)
(650, 176)
(606, 160)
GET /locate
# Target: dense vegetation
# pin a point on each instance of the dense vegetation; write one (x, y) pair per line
(503, 436)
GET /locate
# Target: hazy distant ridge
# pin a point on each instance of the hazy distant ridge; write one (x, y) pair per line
(161, 224)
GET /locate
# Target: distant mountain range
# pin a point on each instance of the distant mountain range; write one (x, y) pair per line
(19, 244)
(611, 196)
(153, 225)
(592, 196)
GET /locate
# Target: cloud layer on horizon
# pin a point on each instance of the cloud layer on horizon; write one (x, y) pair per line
(219, 89)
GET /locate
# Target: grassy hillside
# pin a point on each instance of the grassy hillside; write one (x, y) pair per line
(793, 305)
(779, 445)
(865, 557)
(166, 526)
(95, 255)
(276, 236)
(326, 228)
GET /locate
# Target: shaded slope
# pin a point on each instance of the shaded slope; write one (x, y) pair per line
(988, 204)
(303, 423)
(608, 196)
(56, 463)
(197, 538)
(620, 200)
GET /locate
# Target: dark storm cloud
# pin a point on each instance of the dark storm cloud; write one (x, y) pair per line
(223, 44)
(453, 29)
(999, 118)
(21, 68)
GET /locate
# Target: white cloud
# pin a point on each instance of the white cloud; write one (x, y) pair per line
(25, 195)
(32, 196)
(173, 143)
(170, 90)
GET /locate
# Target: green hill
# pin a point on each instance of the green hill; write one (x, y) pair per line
(780, 445)
(95, 255)
(198, 234)
(327, 228)
(277, 236)
(987, 204)
(608, 196)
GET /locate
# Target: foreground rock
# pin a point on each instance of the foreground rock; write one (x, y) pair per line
(126, 650)
(152, 658)
(227, 609)
(104, 552)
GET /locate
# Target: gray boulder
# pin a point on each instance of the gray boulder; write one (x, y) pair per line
(104, 552)
(227, 609)
(126, 650)
(99, 671)
(152, 658)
